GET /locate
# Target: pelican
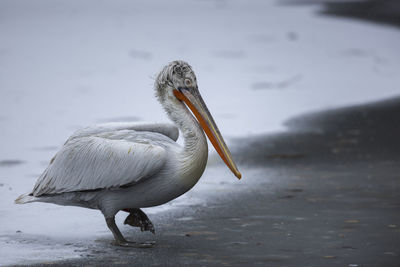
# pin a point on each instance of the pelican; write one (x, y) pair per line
(127, 166)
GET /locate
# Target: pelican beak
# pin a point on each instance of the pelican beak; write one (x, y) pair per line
(193, 100)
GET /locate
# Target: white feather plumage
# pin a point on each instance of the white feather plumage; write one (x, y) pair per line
(101, 161)
(117, 166)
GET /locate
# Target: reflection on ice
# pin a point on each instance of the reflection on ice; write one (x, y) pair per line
(10, 162)
(277, 85)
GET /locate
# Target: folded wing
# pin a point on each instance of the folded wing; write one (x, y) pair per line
(92, 162)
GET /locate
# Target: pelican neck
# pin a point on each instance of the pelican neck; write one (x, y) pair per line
(194, 153)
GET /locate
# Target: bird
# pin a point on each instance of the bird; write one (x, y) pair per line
(129, 165)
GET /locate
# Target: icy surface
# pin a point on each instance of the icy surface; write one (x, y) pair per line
(64, 65)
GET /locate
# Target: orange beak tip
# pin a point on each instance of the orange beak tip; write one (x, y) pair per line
(239, 175)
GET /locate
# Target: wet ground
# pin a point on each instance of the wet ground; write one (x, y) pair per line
(381, 11)
(326, 193)
(378, 11)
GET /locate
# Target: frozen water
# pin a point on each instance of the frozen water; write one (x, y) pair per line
(64, 65)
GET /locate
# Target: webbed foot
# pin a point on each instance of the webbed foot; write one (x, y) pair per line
(137, 218)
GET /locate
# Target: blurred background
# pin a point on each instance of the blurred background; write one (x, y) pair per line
(68, 64)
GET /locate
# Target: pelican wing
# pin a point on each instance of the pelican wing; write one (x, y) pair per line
(102, 161)
(166, 129)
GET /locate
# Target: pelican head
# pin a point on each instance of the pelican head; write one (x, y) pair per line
(176, 85)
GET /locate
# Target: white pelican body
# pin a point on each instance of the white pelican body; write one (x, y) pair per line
(129, 148)
(128, 166)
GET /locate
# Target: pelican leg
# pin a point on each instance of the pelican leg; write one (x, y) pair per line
(137, 218)
(119, 238)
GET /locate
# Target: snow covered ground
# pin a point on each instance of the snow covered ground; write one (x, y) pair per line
(64, 65)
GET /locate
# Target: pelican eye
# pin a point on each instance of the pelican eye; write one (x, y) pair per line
(188, 82)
